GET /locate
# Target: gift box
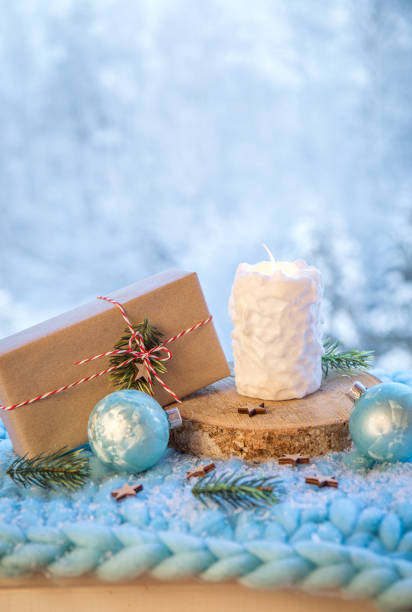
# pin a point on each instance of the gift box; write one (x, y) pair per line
(42, 359)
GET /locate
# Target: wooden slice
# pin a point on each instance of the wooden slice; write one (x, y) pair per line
(314, 425)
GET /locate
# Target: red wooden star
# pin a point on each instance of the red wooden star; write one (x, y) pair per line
(252, 410)
(200, 472)
(322, 481)
(127, 491)
(293, 459)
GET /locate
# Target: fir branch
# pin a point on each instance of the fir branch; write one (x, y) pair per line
(125, 377)
(229, 490)
(69, 470)
(344, 361)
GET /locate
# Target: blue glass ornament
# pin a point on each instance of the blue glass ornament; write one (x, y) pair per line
(129, 430)
(381, 421)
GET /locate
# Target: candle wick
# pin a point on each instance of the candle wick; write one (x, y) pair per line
(272, 259)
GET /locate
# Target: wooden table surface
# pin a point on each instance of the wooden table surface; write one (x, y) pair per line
(159, 597)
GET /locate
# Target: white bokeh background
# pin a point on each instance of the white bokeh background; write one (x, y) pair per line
(146, 134)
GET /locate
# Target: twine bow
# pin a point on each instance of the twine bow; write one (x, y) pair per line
(142, 353)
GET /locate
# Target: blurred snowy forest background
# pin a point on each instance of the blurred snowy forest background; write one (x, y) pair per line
(138, 135)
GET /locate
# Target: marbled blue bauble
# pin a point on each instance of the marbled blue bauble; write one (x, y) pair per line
(381, 422)
(128, 430)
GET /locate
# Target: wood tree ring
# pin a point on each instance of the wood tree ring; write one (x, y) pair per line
(314, 425)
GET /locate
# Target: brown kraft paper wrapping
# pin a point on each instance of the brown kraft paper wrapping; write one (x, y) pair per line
(41, 359)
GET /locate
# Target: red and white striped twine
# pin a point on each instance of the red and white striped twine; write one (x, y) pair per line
(142, 353)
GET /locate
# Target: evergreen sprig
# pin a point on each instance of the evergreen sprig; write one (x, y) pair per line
(230, 490)
(69, 470)
(344, 361)
(125, 377)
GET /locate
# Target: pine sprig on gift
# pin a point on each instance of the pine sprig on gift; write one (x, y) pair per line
(344, 361)
(229, 490)
(125, 377)
(68, 470)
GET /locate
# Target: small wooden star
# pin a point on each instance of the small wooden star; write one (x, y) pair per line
(200, 472)
(322, 481)
(293, 459)
(252, 410)
(141, 371)
(127, 491)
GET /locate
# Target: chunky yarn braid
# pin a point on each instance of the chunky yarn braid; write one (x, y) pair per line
(375, 561)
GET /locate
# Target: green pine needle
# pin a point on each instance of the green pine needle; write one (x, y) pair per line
(125, 377)
(229, 490)
(344, 361)
(69, 470)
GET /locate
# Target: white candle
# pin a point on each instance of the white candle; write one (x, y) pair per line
(277, 337)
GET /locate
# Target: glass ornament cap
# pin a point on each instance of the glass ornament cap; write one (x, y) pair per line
(356, 390)
(174, 417)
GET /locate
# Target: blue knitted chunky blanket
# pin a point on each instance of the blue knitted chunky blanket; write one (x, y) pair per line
(357, 538)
